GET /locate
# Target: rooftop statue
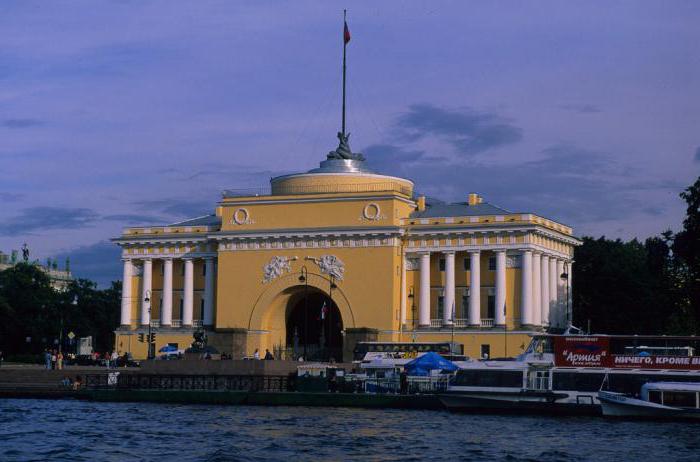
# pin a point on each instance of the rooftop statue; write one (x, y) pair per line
(343, 151)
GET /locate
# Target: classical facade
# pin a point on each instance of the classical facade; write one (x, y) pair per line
(342, 254)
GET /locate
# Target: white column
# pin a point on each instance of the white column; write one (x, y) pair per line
(402, 302)
(559, 315)
(536, 289)
(570, 299)
(166, 315)
(526, 298)
(146, 280)
(500, 288)
(126, 293)
(188, 293)
(474, 288)
(449, 300)
(208, 292)
(553, 278)
(544, 280)
(424, 300)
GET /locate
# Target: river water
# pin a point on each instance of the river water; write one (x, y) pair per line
(78, 430)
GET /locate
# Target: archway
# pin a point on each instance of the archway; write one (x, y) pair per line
(314, 325)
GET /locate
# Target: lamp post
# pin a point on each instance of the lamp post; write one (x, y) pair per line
(304, 279)
(330, 308)
(147, 301)
(565, 277)
(74, 302)
(413, 313)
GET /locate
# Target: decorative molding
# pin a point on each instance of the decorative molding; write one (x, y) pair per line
(372, 212)
(513, 261)
(330, 265)
(276, 268)
(241, 217)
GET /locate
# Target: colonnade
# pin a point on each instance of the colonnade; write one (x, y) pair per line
(542, 290)
(166, 314)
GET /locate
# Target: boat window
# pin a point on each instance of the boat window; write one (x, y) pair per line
(579, 381)
(679, 399)
(482, 378)
(655, 396)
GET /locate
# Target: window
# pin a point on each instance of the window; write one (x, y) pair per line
(679, 399)
(201, 308)
(441, 306)
(204, 269)
(577, 381)
(492, 263)
(465, 305)
(655, 396)
(467, 264)
(481, 378)
(491, 307)
(442, 264)
(485, 351)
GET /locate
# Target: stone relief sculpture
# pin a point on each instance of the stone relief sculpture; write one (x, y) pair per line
(276, 267)
(330, 265)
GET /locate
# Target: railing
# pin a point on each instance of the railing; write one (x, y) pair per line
(487, 322)
(176, 323)
(155, 322)
(432, 384)
(117, 381)
(461, 322)
(197, 323)
(436, 323)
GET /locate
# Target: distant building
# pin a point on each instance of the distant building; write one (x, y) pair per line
(60, 278)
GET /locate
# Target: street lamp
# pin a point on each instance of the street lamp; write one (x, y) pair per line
(413, 311)
(147, 301)
(330, 309)
(304, 279)
(565, 277)
(74, 302)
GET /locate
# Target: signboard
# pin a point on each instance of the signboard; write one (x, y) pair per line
(581, 351)
(655, 362)
(71, 335)
(595, 352)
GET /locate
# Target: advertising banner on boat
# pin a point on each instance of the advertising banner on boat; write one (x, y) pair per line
(581, 351)
(655, 362)
(595, 352)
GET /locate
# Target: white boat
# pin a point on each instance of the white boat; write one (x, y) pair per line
(660, 400)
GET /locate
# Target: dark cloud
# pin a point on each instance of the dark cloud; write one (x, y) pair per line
(580, 108)
(176, 207)
(21, 123)
(468, 130)
(567, 183)
(98, 262)
(131, 219)
(43, 218)
(697, 154)
(10, 197)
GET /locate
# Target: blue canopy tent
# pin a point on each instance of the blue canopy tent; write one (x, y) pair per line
(168, 349)
(422, 365)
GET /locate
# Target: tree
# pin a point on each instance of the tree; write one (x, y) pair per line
(686, 253)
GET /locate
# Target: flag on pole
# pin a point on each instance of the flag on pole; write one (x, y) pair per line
(324, 310)
(346, 33)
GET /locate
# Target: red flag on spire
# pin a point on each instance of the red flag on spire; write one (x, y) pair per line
(346, 33)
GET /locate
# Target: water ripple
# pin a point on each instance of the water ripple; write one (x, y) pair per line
(78, 430)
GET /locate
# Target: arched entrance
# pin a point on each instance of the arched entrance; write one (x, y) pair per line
(314, 325)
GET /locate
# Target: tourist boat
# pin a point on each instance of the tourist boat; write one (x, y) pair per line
(660, 400)
(563, 373)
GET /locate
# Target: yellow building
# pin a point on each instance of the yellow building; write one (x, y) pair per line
(341, 254)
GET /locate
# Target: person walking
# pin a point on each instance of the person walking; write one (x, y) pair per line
(256, 355)
(59, 361)
(47, 359)
(268, 355)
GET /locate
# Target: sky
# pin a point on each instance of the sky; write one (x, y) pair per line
(125, 113)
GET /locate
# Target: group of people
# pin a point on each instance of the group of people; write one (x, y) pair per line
(268, 355)
(67, 382)
(53, 359)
